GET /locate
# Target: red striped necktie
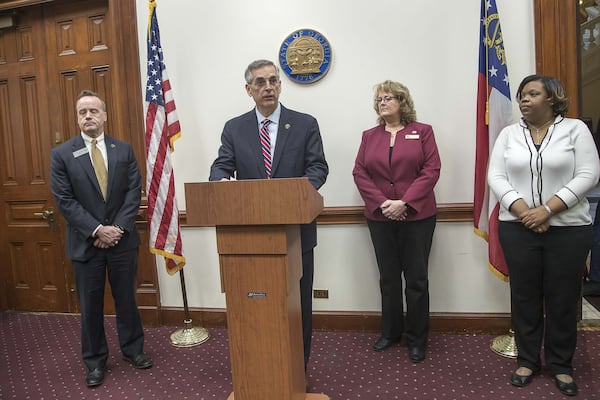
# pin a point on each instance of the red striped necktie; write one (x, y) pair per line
(265, 144)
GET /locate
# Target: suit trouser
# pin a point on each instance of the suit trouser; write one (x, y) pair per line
(90, 281)
(402, 248)
(594, 274)
(306, 288)
(546, 273)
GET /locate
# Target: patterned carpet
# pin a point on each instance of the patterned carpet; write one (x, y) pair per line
(40, 359)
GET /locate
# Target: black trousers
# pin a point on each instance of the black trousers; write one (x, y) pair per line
(402, 248)
(546, 273)
(90, 280)
(594, 273)
(306, 288)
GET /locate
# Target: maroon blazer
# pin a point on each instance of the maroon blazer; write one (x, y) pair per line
(410, 175)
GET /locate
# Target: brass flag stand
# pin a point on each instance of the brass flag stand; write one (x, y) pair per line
(505, 345)
(188, 336)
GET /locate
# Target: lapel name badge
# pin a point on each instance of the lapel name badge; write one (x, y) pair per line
(80, 152)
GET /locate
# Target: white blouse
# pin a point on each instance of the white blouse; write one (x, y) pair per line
(566, 165)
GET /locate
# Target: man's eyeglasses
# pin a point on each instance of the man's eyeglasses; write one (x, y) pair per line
(260, 82)
(385, 99)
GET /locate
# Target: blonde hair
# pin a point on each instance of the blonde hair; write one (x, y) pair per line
(408, 113)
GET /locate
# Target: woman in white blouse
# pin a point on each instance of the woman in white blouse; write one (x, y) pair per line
(540, 171)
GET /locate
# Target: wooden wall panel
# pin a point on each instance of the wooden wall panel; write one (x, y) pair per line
(557, 47)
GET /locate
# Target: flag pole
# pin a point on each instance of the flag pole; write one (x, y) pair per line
(503, 345)
(189, 335)
(162, 129)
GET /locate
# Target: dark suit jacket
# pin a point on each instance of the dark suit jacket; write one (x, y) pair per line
(298, 153)
(77, 194)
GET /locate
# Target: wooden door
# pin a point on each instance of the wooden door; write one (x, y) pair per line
(57, 49)
(79, 52)
(34, 263)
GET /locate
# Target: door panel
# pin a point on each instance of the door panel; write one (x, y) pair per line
(34, 275)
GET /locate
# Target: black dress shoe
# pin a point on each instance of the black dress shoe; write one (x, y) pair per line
(95, 377)
(416, 354)
(140, 361)
(383, 343)
(568, 389)
(521, 380)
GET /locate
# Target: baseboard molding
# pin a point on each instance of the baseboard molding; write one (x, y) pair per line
(490, 323)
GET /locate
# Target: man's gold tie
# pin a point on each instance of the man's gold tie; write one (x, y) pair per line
(99, 167)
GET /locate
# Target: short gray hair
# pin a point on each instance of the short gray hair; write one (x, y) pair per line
(256, 65)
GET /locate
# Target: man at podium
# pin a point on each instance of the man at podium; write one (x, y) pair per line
(272, 141)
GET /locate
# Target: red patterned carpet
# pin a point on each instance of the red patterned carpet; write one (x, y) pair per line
(40, 359)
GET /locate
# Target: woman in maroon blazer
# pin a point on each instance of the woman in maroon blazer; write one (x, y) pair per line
(396, 169)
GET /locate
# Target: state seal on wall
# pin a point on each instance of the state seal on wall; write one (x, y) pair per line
(305, 56)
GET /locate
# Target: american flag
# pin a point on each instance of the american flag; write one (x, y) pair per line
(494, 112)
(162, 129)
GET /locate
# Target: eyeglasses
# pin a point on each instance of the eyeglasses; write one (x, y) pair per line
(260, 82)
(385, 99)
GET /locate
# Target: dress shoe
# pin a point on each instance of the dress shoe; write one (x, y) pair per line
(140, 361)
(383, 343)
(94, 377)
(521, 380)
(416, 354)
(568, 389)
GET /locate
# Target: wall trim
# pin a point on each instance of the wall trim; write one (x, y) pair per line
(480, 323)
(447, 212)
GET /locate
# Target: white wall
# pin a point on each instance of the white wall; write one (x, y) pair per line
(432, 47)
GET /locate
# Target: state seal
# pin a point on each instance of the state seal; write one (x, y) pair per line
(305, 56)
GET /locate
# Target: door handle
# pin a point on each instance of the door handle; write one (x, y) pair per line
(48, 215)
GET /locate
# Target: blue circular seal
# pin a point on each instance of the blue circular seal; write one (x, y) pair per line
(305, 56)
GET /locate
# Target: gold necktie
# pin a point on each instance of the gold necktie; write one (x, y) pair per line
(99, 167)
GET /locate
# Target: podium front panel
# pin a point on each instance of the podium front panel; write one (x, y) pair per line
(264, 321)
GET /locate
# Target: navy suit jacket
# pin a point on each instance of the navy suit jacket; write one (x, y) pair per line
(77, 194)
(298, 153)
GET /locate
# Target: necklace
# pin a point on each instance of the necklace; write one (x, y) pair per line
(393, 131)
(537, 139)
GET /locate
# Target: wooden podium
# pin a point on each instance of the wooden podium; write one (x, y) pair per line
(258, 240)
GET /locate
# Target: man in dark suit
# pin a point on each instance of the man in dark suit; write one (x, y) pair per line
(294, 149)
(100, 205)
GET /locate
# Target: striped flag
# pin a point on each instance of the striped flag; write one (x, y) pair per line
(494, 112)
(162, 129)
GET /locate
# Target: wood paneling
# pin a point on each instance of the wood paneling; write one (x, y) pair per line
(557, 46)
(10, 4)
